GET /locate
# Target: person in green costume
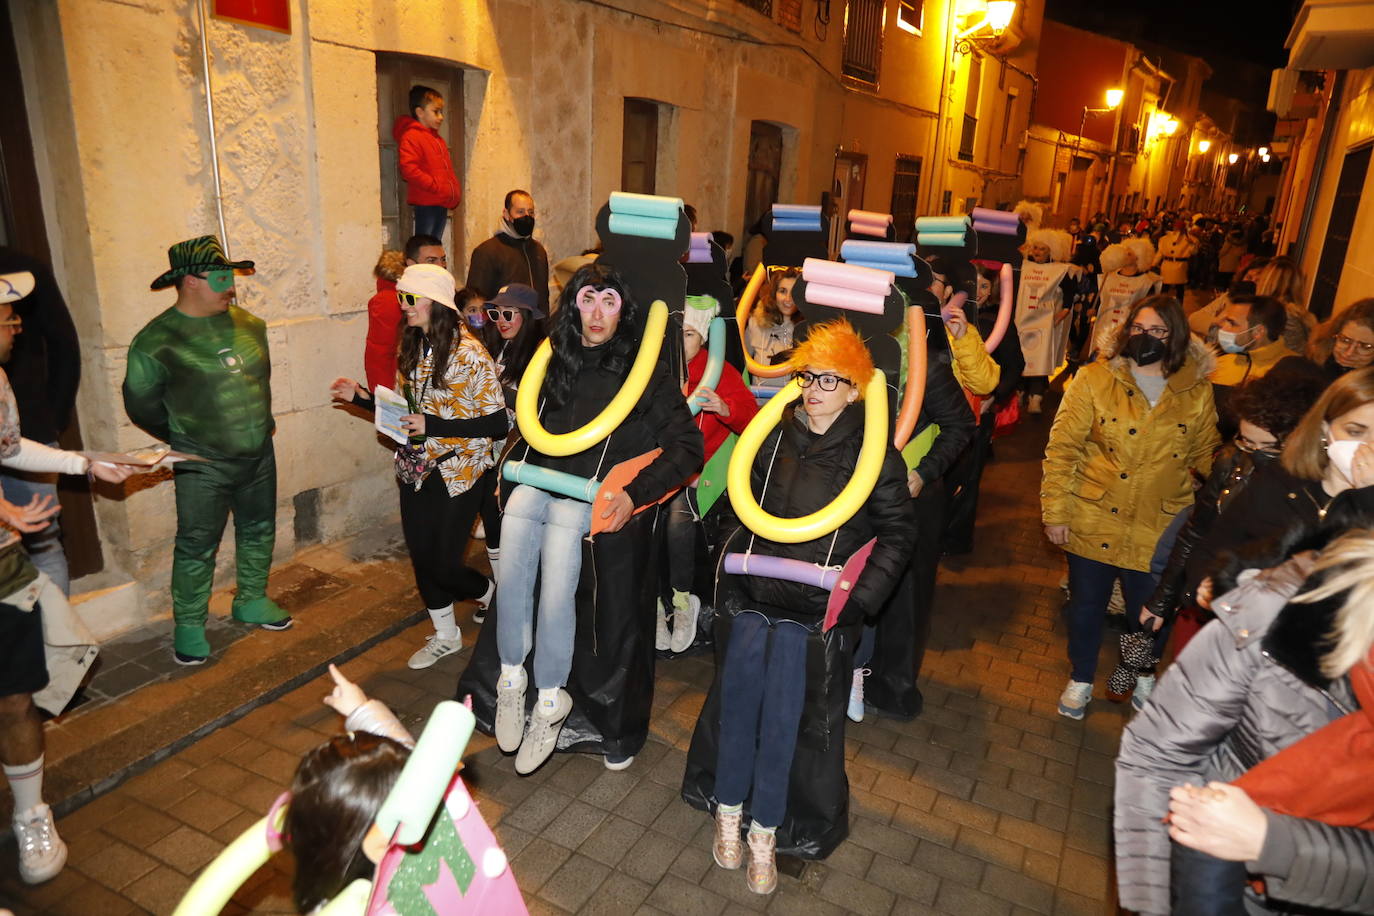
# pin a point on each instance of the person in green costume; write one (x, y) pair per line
(199, 378)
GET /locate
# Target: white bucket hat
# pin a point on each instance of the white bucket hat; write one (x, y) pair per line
(430, 281)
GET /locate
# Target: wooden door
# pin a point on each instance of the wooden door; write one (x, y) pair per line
(396, 73)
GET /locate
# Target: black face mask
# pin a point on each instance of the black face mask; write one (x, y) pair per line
(1144, 349)
(523, 225)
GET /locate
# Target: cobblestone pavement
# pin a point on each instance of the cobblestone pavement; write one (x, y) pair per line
(988, 803)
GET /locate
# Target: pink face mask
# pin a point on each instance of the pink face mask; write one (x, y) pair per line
(589, 298)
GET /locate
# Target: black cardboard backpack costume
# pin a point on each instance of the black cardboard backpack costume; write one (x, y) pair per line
(612, 678)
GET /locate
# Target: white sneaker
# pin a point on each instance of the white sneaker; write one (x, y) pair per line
(541, 737)
(41, 851)
(433, 650)
(510, 711)
(1144, 686)
(479, 613)
(1034, 404)
(856, 695)
(684, 622)
(1073, 702)
(662, 638)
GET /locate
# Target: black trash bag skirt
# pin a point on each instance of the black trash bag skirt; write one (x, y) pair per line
(817, 817)
(612, 677)
(904, 624)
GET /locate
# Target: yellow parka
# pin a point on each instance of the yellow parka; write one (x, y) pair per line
(974, 369)
(1116, 469)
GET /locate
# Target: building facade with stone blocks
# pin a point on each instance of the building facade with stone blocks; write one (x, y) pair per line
(728, 104)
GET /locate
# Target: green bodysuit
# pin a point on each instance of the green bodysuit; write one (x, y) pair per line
(203, 385)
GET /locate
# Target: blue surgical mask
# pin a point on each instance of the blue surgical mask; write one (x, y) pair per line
(1228, 343)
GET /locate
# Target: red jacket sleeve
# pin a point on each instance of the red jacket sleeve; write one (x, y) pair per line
(383, 330)
(743, 405)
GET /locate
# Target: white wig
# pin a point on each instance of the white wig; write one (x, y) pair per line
(1115, 256)
(1029, 213)
(1059, 242)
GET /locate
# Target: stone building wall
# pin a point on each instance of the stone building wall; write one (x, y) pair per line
(117, 102)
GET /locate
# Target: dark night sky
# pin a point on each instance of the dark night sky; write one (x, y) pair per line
(1220, 31)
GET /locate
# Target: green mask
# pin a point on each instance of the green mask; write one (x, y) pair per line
(220, 281)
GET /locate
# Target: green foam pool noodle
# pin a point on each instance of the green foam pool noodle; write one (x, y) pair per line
(420, 788)
(646, 205)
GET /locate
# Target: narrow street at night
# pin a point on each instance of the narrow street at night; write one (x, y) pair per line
(989, 802)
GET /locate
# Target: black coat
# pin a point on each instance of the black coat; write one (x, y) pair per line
(944, 404)
(1274, 503)
(1007, 354)
(1231, 473)
(45, 366)
(807, 473)
(504, 259)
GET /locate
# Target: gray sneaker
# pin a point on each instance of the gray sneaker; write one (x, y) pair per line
(510, 712)
(662, 638)
(433, 650)
(546, 721)
(685, 611)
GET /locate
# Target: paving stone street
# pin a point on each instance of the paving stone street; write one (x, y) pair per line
(988, 803)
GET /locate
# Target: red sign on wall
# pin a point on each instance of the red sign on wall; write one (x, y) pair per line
(265, 14)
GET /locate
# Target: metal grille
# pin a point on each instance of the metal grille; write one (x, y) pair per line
(763, 6)
(863, 39)
(790, 14)
(906, 181)
(966, 138)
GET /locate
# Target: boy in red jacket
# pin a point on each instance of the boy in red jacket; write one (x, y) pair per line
(726, 409)
(432, 188)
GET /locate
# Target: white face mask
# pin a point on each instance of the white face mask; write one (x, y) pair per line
(1341, 453)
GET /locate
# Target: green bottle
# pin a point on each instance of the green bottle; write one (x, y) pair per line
(415, 438)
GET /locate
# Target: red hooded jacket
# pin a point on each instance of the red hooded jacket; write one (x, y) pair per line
(425, 165)
(383, 333)
(714, 428)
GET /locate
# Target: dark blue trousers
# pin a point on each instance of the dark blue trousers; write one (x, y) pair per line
(430, 220)
(1090, 588)
(762, 688)
(1203, 885)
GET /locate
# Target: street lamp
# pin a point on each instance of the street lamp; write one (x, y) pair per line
(1114, 97)
(1000, 13)
(1113, 102)
(1233, 158)
(1263, 152)
(1204, 145)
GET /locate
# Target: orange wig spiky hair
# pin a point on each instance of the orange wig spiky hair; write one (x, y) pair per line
(835, 345)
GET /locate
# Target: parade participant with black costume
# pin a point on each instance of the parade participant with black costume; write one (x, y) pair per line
(771, 733)
(589, 627)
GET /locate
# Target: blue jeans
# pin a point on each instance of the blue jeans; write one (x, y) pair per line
(1090, 588)
(44, 547)
(1201, 885)
(762, 688)
(540, 533)
(430, 221)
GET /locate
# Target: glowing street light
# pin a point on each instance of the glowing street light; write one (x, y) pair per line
(1114, 97)
(1233, 158)
(1000, 13)
(1263, 152)
(1204, 145)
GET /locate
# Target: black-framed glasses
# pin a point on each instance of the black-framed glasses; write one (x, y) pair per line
(1250, 447)
(502, 314)
(828, 381)
(1156, 333)
(1359, 346)
(406, 298)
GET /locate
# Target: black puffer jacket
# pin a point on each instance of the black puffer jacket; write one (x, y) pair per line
(659, 420)
(806, 474)
(944, 404)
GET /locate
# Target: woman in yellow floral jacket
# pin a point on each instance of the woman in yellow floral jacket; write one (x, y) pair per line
(1129, 436)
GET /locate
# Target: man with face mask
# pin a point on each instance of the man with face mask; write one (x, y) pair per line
(199, 378)
(512, 255)
(1249, 334)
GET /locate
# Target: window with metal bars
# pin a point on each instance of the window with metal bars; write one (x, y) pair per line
(863, 40)
(906, 181)
(790, 14)
(763, 6)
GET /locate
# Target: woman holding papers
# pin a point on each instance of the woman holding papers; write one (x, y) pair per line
(456, 414)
